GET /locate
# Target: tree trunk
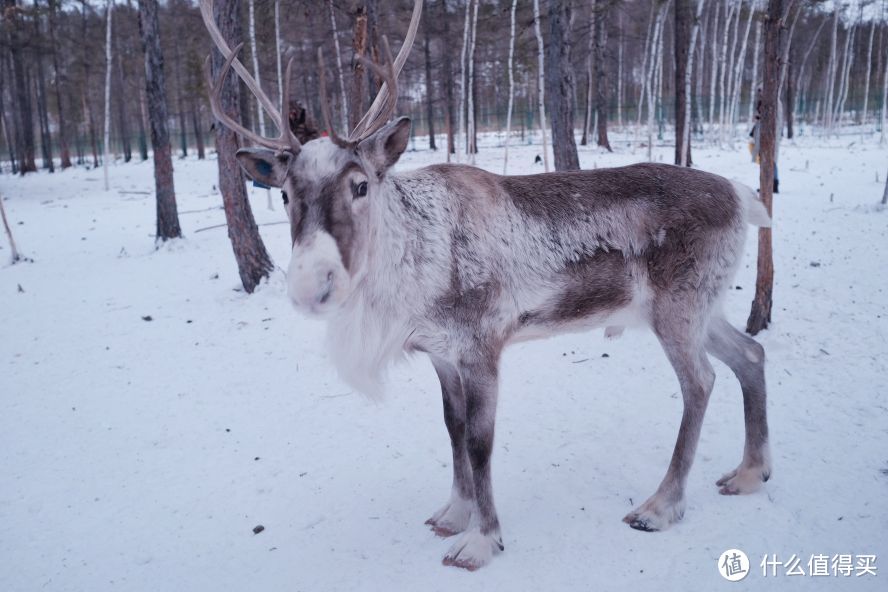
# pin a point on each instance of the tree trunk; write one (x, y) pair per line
(42, 110)
(685, 155)
(755, 62)
(25, 143)
(775, 38)
(884, 106)
(869, 68)
(682, 44)
(461, 128)
(602, 94)
(342, 91)
(738, 71)
(541, 80)
(167, 214)
(87, 105)
(109, 64)
(122, 116)
(254, 52)
(253, 262)
(833, 66)
(429, 86)
(8, 133)
(198, 130)
(446, 46)
(359, 44)
(472, 115)
(65, 152)
(561, 87)
(511, 86)
(143, 116)
(789, 100)
(590, 78)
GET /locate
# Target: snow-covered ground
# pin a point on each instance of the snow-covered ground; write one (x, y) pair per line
(140, 454)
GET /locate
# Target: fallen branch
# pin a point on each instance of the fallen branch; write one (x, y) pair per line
(225, 225)
(15, 254)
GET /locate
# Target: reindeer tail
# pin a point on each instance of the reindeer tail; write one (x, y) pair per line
(756, 212)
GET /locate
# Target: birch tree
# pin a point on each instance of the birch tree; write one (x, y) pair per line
(511, 86)
(884, 105)
(471, 140)
(683, 52)
(109, 64)
(254, 51)
(541, 80)
(685, 159)
(831, 71)
(738, 69)
(461, 133)
(755, 62)
(343, 98)
(869, 67)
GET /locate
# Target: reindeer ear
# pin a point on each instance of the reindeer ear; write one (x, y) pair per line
(384, 148)
(265, 166)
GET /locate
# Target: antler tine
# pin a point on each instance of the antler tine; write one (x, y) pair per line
(325, 102)
(387, 74)
(382, 96)
(286, 139)
(219, 112)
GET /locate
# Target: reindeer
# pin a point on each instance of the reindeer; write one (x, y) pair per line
(458, 263)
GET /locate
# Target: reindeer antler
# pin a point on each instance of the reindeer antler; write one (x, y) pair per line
(386, 101)
(285, 140)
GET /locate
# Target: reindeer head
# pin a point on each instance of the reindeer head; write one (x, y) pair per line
(328, 183)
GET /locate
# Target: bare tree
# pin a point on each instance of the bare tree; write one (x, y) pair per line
(461, 128)
(683, 49)
(167, 214)
(776, 37)
(429, 85)
(472, 115)
(511, 86)
(685, 156)
(869, 68)
(359, 45)
(541, 80)
(561, 89)
(109, 64)
(25, 141)
(602, 10)
(339, 71)
(57, 82)
(253, 262)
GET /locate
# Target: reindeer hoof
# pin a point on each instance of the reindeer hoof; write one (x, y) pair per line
(655, 514)
(453, 518)
(743, 480)
(473, 550)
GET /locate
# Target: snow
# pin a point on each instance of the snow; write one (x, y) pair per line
(140, 454)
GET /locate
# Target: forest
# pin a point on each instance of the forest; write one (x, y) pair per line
(71, 84)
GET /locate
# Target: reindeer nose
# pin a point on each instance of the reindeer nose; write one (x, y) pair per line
(326, 288)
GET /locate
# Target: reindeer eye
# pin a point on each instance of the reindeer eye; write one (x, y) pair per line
(361, 189)
(286, 199)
